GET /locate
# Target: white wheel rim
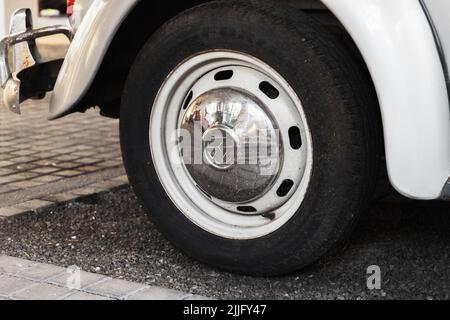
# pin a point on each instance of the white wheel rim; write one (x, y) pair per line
(269, 211)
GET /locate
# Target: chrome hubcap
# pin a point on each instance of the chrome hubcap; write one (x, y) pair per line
(231, 144)
(240, 145)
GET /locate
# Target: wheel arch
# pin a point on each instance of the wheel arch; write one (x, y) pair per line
(109, 76)
(122, 38)
(398, 46)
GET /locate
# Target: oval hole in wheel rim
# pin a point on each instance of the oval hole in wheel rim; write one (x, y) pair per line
(285, 188)
(269, 90)
(295, 138)
(224, 75)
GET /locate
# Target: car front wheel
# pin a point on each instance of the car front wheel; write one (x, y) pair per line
(248, 134)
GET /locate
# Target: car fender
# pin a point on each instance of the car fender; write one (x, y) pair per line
(89, 46)
(397, 43)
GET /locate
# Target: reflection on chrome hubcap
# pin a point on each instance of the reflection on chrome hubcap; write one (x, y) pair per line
(240, 142)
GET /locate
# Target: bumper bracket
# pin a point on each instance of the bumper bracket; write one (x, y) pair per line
(20, 44)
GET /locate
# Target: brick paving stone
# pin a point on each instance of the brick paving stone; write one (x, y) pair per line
(109, 184)
(47, 179)
(115, 288)
(11, 211)
(34, 204)
(68, 157)
(7, 188)
(155, 293)
(45, 170)
(110, 163)
(123, 179)
(9, 285)
(26, 175)
(89, 168)
(68, 173)
(67, 165)
(86, 279)
(60, 197)
(35, 152)
(6, 163)
(41, 291)
(27, 269)
(26, 280)
(24, 160)
(25, 184)
(4, 172)
(23, 152)
(88, 160)
(8, 179)
(84, 296)
(86, 153)
(6, 156)
(45, 163)
(86, 191)
(23, 166)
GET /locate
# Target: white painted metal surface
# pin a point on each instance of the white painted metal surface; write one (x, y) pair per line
(440, 13)
(398, 46)
(87, 51)
(2, 19)
(80, 10)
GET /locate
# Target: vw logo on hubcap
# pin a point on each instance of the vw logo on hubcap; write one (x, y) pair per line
(219, 145)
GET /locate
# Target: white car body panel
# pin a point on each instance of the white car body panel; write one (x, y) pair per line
(440, 13)
(80, 10)
(88, 48)
(397, 43)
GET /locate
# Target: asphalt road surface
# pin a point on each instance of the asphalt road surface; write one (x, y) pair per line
(110, 234)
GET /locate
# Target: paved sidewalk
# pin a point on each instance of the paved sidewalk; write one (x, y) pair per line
(26, 280)
(46, 162)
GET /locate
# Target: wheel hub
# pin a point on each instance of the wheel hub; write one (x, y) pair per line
(239, 142)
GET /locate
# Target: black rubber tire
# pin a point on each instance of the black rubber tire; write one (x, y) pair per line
(340, 106)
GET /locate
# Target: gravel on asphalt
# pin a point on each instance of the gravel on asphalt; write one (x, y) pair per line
(110, 234)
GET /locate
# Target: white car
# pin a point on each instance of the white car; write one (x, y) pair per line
(252, 131)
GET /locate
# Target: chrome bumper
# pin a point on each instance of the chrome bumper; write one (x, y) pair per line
(20, 45)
